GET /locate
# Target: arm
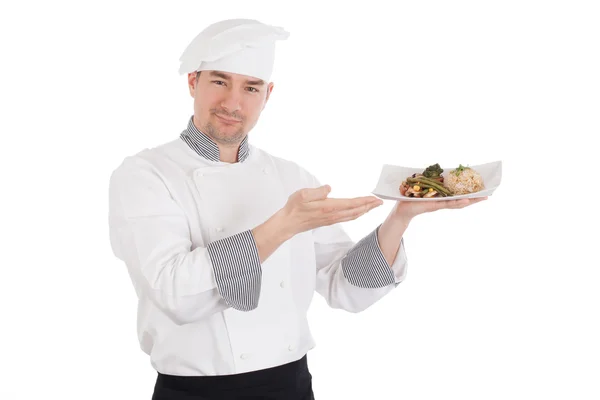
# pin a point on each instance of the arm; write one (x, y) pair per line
(353, 276)
(390, 235)
(149, 232)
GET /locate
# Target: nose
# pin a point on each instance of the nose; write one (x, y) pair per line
(231, 101)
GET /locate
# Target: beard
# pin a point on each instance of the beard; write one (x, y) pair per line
(226, 138)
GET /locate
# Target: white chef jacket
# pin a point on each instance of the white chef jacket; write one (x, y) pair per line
(181, 221)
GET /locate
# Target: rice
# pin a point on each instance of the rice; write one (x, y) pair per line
(467, 181)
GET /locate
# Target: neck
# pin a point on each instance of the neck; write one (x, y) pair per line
(228, 154)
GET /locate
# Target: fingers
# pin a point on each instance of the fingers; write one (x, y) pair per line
(349, 214)
(471, 201)
(355, 212)
(334, 205)
(461, 203)
(313, 194)
(345, 219)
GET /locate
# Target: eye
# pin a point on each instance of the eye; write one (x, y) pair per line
(253, 90)
(219, 82)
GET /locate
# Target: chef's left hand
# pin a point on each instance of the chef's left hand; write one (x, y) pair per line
(410, 209)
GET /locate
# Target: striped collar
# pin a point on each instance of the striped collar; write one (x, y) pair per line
(206, 147)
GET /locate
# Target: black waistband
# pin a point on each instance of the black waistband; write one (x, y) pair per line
(281, 376)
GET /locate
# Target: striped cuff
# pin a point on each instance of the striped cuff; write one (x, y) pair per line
(237, 269)
(365, 265)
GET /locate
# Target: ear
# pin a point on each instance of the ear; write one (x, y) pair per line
(269, 90)
(192, 82)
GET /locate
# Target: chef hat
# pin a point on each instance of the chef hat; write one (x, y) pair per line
(239, 46)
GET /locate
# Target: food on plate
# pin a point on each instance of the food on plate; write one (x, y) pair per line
(464, 180)
(429, 183)
(432, 183)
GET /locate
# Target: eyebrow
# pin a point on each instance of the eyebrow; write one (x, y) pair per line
(228, 77)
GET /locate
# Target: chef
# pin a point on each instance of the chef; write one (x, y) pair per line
(225, 244)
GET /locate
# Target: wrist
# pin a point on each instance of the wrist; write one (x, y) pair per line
(270, 235)
(401, 214)
(280, 227)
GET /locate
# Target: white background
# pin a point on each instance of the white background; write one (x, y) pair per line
(501, 299)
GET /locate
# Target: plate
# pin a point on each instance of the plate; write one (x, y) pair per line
(392, 176)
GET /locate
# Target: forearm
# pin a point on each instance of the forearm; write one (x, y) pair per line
(270, 235)
(390, 234)
(353, 276)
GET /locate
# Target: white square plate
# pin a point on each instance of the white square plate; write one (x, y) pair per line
(392, 176)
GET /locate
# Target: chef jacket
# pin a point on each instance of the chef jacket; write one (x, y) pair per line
(181, 221)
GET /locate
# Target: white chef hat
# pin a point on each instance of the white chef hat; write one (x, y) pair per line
(239, 46)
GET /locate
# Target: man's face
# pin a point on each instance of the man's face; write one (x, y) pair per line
(226, 105)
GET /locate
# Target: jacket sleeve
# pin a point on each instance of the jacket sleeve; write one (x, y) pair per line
(150, 233)
(353, 276)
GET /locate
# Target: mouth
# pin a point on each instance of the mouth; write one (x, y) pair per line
(227, 120)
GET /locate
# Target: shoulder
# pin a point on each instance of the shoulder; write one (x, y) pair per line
(146, 162)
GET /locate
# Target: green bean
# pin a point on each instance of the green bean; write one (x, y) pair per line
(425, 185)
(434, 184)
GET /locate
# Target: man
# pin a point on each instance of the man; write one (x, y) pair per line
(226, 244)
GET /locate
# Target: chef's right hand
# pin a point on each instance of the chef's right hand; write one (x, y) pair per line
(310, 208)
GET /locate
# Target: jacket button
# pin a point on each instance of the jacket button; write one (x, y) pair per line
(244, 356)
(291, 347)
(282, 284)
(219, 229)
(265, 171)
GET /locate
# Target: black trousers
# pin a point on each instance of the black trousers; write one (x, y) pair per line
(291, 381)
